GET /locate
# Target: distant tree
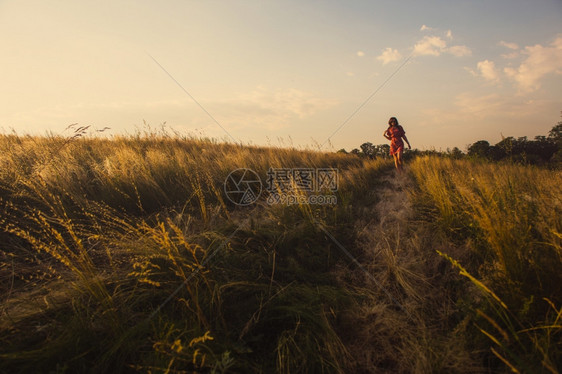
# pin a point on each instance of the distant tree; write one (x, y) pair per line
(383, 150)
(556, 158)
(542, 147)
(455, 153)
(540, 150)
(355, 151)
(410, 154)
(503, 149)
(368, 149)
(479, 149)
(342, 151)
(555, 135)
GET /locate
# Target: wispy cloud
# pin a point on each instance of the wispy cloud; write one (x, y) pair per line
(435, 46)
(360, 53)
(488, 70)
(430, 45)
(272, 109)
(467, 107)
(389, 55)
(513, 47)
(510, 56)
(262, 107)
(471, 71)
(476, 105)
(459, 50)
(539, 62)
(509, 45)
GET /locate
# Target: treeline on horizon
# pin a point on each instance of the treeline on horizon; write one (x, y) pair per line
(542, 150)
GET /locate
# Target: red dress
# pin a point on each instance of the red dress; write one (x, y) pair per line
(396, 133)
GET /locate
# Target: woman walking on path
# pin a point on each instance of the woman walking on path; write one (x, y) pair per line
(395, 133)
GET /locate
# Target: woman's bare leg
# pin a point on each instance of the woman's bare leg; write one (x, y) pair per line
(398, 161)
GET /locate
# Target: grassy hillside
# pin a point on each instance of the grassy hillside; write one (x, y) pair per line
(124, 255)
(508, 220)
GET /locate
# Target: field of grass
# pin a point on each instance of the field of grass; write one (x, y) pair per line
(508, 220)
(124, 255)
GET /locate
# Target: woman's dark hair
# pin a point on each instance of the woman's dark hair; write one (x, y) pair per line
(395, 120)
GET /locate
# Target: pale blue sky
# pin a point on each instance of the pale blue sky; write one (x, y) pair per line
(291, 70)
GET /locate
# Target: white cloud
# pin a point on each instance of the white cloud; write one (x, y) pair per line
(540, 61)
(360, 53)
(513, 46)
(435, 46)
(509, 45)
(459, 50)
(426, 28)
(472, 72)
(488, 70)
(449, 35)
(480, 104)
(510, 72)
(511, 55)
(430, 45)
(389, 55)
(473, 116)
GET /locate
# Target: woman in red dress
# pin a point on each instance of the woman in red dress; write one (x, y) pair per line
(395, 133)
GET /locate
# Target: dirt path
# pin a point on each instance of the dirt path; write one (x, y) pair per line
(394, 207)
(402, 325)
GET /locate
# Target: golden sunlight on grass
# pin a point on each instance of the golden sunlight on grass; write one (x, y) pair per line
(124, 254)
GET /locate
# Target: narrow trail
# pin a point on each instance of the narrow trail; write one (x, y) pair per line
(394, 207)
(409, 331)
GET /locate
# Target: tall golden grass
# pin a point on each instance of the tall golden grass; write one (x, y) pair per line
(123, 254)
(510, 216)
